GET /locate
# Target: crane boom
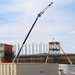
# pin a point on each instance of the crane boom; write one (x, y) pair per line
(39, 15)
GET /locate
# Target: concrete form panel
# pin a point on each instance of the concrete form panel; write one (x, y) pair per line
(37, 69)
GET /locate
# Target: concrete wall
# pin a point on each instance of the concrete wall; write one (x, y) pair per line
(37, 69)
(28, 69)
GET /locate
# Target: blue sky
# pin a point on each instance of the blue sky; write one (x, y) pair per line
(17, 16)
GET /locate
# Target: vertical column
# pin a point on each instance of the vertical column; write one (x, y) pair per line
(26, 49)
(39, 49)
(43, 47)
(46, 48)
(33, 48)
(36, 48)
(29, 49)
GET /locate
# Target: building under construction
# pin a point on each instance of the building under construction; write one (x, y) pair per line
(40, 55)
(53, 56)
(44, 62)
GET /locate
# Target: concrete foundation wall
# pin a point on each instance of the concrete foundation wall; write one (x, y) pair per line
(37, 69)
(28, 69)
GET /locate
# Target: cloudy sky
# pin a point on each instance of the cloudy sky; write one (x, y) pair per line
(58, 22)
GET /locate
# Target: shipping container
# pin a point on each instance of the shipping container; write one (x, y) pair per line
(5, 47)
(6, 60)
(6, 53)
(8, 47)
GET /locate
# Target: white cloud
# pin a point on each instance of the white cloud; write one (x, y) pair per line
(51, 25)
(72, 32)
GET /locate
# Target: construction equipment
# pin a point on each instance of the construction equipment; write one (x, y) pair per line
(66, 56)
(54, 43)
(39, 15)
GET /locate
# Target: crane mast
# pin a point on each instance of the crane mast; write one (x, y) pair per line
(39, 15)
